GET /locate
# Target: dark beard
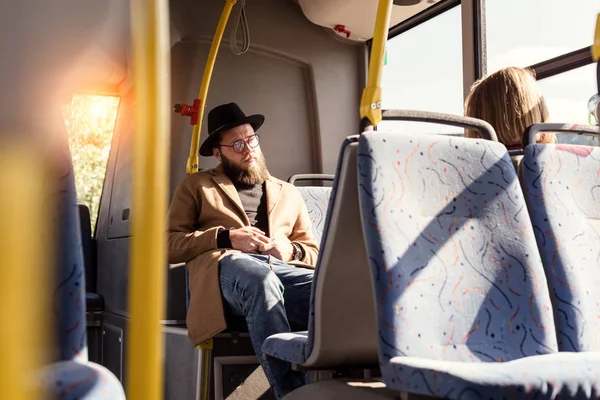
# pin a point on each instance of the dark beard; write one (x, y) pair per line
(256, 174)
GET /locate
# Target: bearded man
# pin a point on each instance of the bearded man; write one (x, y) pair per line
(247, 242)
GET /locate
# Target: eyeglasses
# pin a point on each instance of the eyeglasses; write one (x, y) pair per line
(240, 145)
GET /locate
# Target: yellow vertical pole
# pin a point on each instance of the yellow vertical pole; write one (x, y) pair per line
(192, 164)
(24, 264)
(596, 46)
(370, 103)
(595, 50)
(151, 64)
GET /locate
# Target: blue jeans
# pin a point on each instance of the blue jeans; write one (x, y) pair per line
(270, 295)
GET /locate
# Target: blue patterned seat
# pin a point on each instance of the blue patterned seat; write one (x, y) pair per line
(462, 296)
(562, 188)
(549, 376)
(342, 303)
(74, 380)
(316, 199)
(73, 376)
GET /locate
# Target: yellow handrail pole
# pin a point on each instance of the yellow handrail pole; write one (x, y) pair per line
(192, 164)
(151, 64)
(370, 103)
(595, 50)
(596, 46)
(24, 261)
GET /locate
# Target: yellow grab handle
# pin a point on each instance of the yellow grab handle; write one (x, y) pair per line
(151, 64)
(25, 270)
(370, 103)
(596, 46)
(192, 164)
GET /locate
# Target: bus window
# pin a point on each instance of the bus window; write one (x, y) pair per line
(90, 122)
(424, 72)
(567, 97)
(521, 33)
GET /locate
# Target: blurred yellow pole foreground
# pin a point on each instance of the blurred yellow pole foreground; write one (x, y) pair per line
(151, 61)
(25, 261)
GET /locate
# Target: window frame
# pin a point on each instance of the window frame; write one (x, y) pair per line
(474, 51)
(563, 63)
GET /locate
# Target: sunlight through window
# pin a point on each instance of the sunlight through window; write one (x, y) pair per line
(90, 122)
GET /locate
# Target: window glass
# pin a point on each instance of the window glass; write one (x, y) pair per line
(520, 33)
(90, 122)
(424, 72)
(567, 94)
(567, 97)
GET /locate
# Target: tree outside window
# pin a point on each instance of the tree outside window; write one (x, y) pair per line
(90, 122)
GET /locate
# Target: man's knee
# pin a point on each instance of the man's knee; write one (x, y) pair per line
(250, 274)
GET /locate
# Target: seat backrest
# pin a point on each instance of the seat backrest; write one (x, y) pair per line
(72, 375)
(89, 248)
(453, 257)
(562, 188)
(316, 199)
(69, 296)
(311, 178)
(342, 323)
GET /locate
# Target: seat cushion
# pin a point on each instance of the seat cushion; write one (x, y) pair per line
(70, 380)
(290, 347)
(89, 248)
(93, 302)
(548, 376)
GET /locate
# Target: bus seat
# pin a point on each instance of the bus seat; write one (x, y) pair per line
(73, 376)
(89, 256)
(549, 376)
(316, 199)
(69, 297)
(311, 178)
(93, 301)
(566, 370)
(563, 196)
(342, 321)
(459, 281)
(72, 380)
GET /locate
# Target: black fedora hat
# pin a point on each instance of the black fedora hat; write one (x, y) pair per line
(224, 117)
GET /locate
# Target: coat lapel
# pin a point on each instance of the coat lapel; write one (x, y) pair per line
(226, 186)
(273, 192)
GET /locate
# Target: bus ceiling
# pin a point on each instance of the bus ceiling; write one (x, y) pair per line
(355, 19)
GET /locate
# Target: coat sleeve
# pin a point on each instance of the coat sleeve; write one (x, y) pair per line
(302, 234)
(185, 242)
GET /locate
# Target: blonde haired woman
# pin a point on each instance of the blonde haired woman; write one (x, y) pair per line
(510, 101)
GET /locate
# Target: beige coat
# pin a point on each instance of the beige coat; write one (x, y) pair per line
(207, 201)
